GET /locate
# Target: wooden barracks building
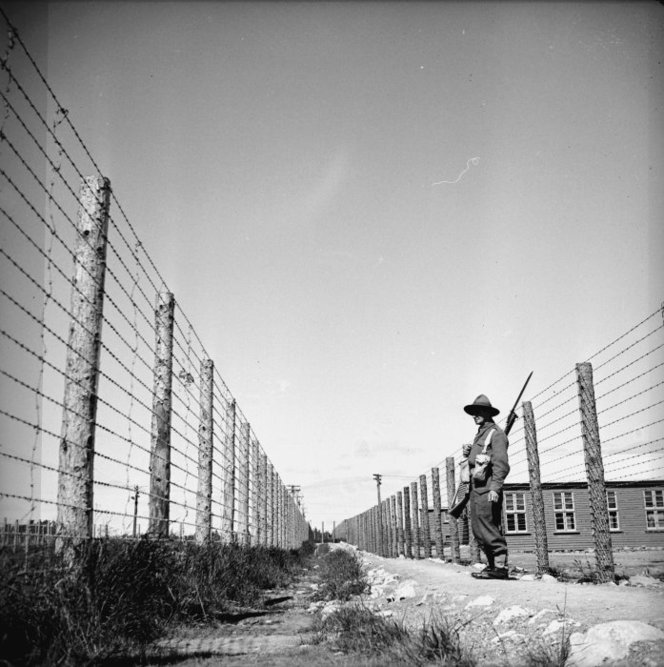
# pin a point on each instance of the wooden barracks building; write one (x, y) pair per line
(636, 515)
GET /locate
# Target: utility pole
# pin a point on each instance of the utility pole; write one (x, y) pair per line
(135, 496)
(378, 478)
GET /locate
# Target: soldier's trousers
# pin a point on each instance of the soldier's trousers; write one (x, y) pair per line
(486, 520)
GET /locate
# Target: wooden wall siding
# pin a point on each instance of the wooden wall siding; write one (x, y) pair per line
(631, 509)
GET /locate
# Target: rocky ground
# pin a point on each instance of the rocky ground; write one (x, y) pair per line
(521, 622)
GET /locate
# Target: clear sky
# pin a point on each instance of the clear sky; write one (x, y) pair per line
(371, 213)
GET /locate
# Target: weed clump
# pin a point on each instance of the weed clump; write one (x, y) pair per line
(341, 576)
(356, 630)
(123, 594)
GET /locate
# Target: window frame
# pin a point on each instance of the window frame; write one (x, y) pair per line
(564, 512)
(516, 513)
(654, 506)
(613, 511)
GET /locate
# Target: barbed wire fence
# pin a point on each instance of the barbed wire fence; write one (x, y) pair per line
(602, 421)
(111, 423)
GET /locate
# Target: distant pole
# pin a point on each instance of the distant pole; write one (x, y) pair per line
(380, 551)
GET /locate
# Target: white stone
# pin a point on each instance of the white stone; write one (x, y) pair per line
(406, 589)
(644, 580)
(385, 613)
(479, 567)
(528, 577)
(608, 642)
(481, 601)
(554, 626)
(510, 614)
(540, 615)
(548, 579)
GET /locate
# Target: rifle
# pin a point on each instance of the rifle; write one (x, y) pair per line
(512, 417)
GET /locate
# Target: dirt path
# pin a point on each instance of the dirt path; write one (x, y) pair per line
(503, 623)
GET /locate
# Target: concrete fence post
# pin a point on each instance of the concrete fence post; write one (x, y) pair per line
(414, 521)
(599, 513)
(454, 529)
(205, 436)
(437, 518)
(256, 492)
(270, 505)
(536, 496)
(424, 522)
(79, 414)
(228, 475)
(160, 456)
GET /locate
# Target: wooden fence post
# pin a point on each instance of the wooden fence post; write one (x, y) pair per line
(536, 496)
(264, 500)
(387, 538)
(454, 529)
(414, 520)
(437, 518)
(424, 522)
(270, 505)
(245, 467)
(394, 526)
(255, 492)
(408, 533)
(599, 513)
(400, 540)
(160, 456)
(205, 435)
(228, 475)
(79, 414)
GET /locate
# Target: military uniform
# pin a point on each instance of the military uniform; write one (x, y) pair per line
(486, 516)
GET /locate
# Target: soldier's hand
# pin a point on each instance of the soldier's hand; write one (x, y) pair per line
(465, 449)
(493, 497)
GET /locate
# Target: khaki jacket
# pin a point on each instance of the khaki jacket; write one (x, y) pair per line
(499, 463)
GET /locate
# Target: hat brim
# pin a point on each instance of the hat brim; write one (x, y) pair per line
(474, 409)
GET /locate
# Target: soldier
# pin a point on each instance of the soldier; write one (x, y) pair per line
(487, 459)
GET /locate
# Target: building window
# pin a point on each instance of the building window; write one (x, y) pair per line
(515, 513)
(563, 508)
(612, 505)
(654, 503)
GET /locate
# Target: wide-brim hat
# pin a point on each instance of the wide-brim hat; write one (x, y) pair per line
(481, 405)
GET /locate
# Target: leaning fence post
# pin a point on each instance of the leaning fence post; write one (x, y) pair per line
(537, 498)
(77, 441)
(160, 455)
(424, 522)
(437, 519)
(599, 513)
(228, 475)
(454, 529)
(414, 520)
(205, 435)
